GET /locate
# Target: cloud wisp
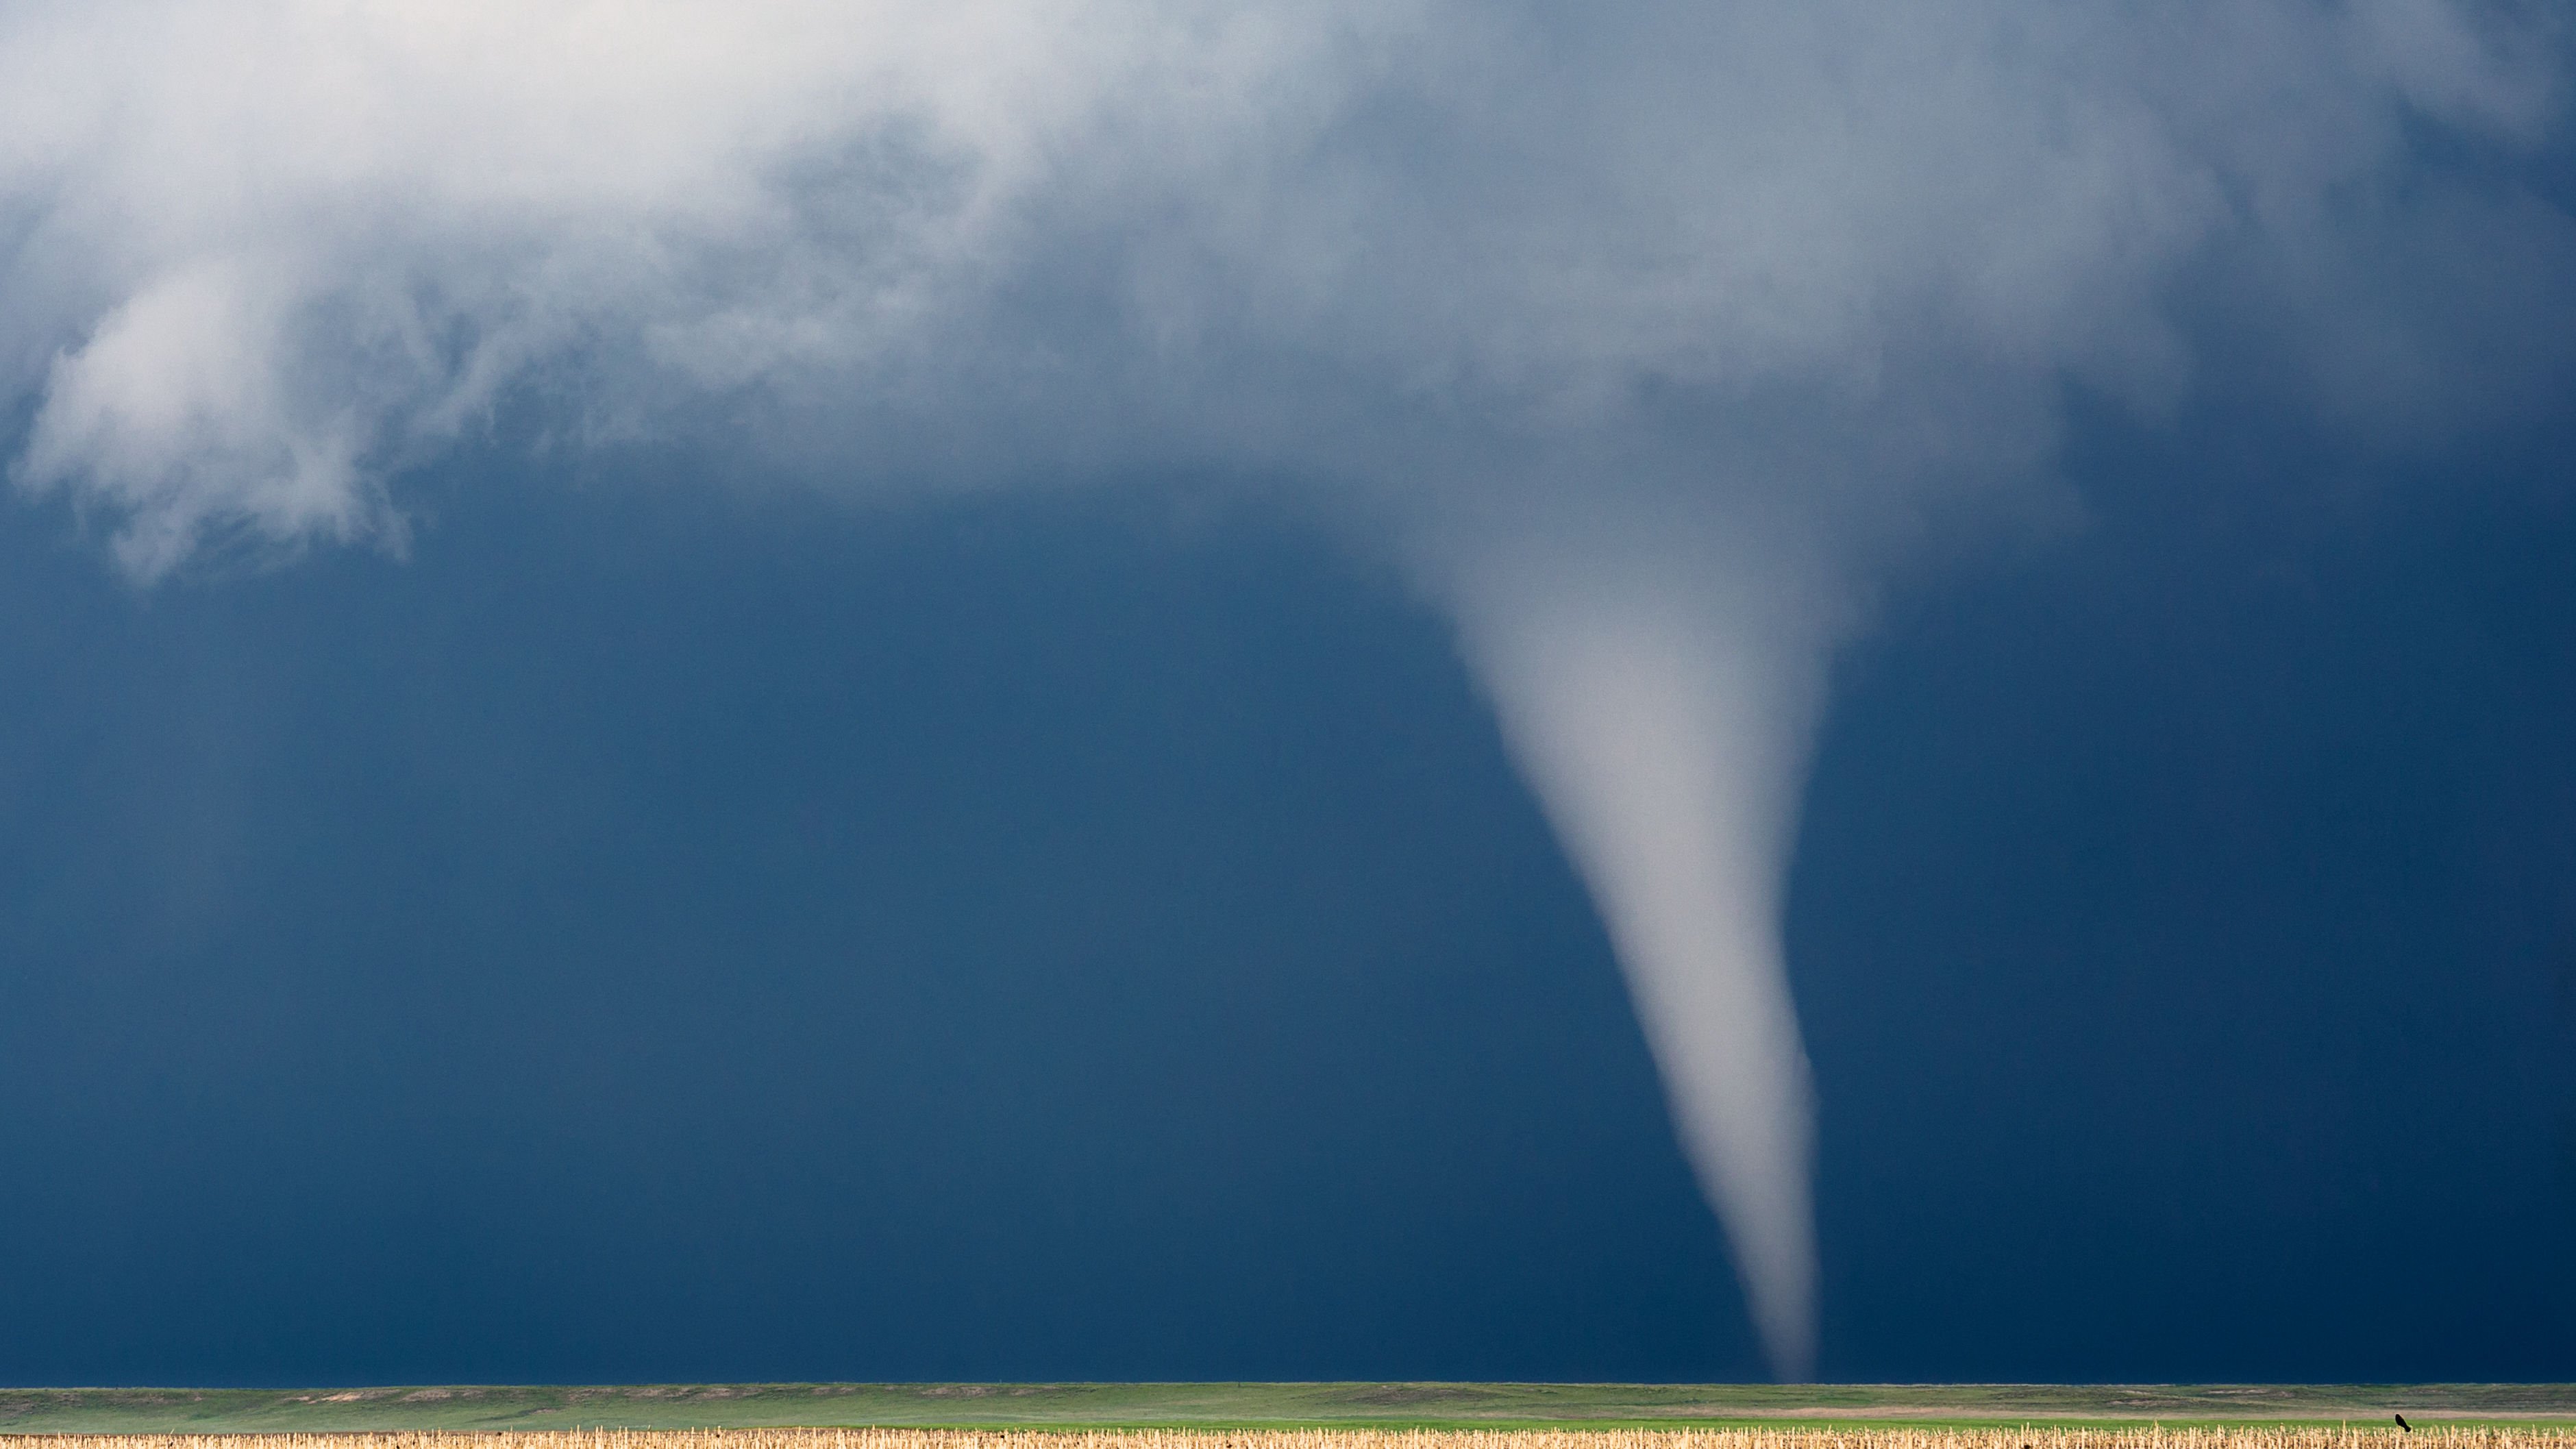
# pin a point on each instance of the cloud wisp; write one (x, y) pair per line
(1645, 333)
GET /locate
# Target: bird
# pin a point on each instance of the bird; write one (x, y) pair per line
(2402, 1424)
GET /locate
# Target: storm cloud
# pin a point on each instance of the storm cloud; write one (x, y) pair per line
(1646, 336)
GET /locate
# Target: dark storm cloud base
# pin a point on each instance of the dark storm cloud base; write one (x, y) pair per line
(1244, 1404)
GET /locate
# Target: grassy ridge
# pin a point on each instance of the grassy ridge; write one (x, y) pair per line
(684, 1406)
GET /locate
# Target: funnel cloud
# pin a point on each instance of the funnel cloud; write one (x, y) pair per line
(1661, 708)
(1649, 336)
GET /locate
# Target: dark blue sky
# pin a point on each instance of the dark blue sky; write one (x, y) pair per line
(650, 934)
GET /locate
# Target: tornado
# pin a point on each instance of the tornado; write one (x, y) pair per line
(1661, 703)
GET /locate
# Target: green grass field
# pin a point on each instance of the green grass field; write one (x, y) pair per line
(1257, 1405)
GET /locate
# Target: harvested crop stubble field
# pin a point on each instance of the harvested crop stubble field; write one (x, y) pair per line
(2431, 1436)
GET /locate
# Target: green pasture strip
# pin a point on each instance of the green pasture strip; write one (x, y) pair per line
(1260, 1406)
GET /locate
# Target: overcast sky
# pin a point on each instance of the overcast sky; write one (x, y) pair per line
(1131, 689)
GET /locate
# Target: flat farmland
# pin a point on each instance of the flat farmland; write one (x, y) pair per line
(1859, 1416)
(2096, 1436)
